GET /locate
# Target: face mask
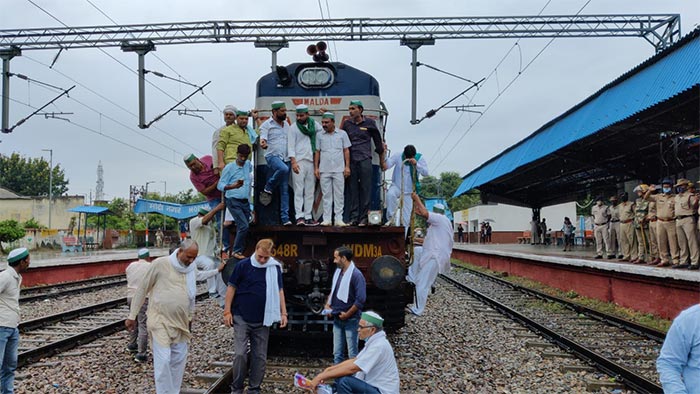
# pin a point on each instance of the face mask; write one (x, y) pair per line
(666, 190)
(680, 189)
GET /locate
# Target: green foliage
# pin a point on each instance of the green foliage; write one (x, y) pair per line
(583, 206)
(445, 187)
(30, 176)
(10, 231)
(32, 223)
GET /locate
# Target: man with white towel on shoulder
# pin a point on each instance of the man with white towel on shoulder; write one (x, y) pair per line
(254, 301)
(347, 298)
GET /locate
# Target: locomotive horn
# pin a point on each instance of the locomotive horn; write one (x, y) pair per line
(311, 49)
(321, 45)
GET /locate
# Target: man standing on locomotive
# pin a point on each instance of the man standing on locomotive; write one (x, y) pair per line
(435, 257)
(361, 131)
(273, 138)
(229, 119)
(254, 301)
(301, 146)
(408, 166)
(332, 167)
(348, 296)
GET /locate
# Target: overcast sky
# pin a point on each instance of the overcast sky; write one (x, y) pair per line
(568, 71)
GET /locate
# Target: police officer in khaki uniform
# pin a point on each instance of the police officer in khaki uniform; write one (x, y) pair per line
(601, 215)
(686, 205)
(614, 228)
(641, 226)
(653, 234)
(629, 247)
(666, 223)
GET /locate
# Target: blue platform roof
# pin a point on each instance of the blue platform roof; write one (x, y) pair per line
(91, 209)
(667, 74)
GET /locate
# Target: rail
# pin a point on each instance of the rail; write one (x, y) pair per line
(625, 375)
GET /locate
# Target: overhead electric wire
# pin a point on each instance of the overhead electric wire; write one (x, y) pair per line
(471, 126)
(159, 59)
(113, 58)
(111, 102)
(150, 154)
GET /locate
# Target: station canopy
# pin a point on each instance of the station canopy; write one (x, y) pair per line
(641, 126)
(171, 209)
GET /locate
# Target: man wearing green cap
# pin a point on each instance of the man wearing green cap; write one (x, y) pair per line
(301, 146)
(373, 371)
(10, 282)
(435, 255)
(274, 133)
(332, 167)
(362, 132)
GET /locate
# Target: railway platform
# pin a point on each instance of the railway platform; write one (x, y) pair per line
(660, 291)
(56, 267)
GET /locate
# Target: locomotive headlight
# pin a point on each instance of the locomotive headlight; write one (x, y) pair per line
(315, 77)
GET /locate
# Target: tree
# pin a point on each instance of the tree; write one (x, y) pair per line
(445, 187)
(30, 176)
(32, 223)
(10, 231)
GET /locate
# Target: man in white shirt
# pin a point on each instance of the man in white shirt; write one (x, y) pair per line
(435, 256)
(10, 282)
(138, 339)
(408, 166)
(331, 167)
(374, 369)
(203, 232)
(301, 146)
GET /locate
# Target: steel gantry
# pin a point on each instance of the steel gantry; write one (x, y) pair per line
(660, 30)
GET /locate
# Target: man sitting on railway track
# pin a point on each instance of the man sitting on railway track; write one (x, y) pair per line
(373, 371)
(347, 298)
(435, 257)
(254, 301)
(138, 338)
(679, 361)
(10, 282)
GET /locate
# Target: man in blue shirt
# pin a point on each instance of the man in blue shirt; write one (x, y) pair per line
(254, 301)
(273, 138)
(679, 361)
(362, 131)
(347, 298)
(235, 181)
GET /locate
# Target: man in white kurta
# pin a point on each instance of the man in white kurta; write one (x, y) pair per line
(408, 166)
(170, 283)
(301, 145)
(437, 248)
(203, 232)
(331, 167)
(135, 272)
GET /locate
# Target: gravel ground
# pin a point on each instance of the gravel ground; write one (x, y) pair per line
(452, 348)
(37, 309)
(623, 347)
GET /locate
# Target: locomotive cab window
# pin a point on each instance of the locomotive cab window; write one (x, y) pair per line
(315, 77)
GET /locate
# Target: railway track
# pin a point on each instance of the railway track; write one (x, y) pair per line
(622, 349)
(82, 286)
(56, 333)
